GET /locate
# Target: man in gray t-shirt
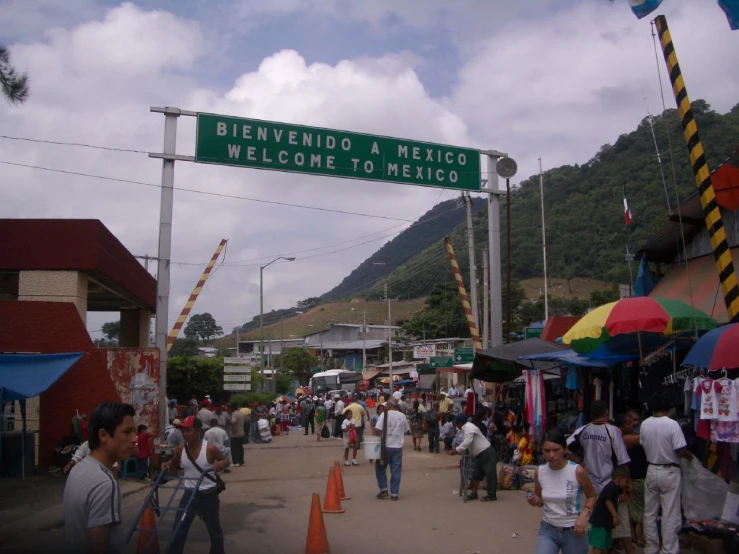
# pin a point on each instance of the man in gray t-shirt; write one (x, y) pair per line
(93, 486)
(92, 507)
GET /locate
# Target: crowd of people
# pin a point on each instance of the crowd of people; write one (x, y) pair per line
(604, 483)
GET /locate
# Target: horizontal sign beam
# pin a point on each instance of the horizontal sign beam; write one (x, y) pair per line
(260, 144)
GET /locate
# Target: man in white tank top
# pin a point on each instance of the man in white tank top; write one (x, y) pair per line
(196, 456)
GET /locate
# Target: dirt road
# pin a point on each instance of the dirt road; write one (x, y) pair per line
(265, 508)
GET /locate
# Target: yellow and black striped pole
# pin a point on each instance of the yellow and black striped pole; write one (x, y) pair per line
(714, 222)
(193, 297)
(474, 333)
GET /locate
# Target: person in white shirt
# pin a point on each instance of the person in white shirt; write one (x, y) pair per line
(397, 394)
(393, 437)
(664, 445)
(218, 437)
(601, 442)
(339, 417)
(173, 435)
(454, 391)
(329, 404)
(204, 415)
(483, 455)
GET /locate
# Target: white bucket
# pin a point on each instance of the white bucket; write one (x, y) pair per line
(371, 447)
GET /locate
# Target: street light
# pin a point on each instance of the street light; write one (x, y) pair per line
(261, 312)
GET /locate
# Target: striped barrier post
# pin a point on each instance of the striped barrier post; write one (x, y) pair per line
(193, 297)
(712, 213)
(474, 333)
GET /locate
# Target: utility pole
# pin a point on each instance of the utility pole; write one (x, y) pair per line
(364, 340)
(486, 301)
(544, 245)
(389, 331)
(237, 342)
(496, 301)
(473, 269)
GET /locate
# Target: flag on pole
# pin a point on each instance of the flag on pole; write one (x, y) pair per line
(731, 9)
(627, 211)
(643, 8)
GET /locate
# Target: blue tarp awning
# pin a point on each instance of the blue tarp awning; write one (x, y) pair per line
(24, 376)
(573, 358)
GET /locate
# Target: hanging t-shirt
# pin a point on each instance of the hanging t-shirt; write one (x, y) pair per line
(708, 400)
(687, 396)
(726, 399)
(572, 381)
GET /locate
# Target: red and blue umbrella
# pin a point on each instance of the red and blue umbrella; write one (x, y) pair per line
(717, 349)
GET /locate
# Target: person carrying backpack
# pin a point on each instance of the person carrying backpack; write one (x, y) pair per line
(432, 425)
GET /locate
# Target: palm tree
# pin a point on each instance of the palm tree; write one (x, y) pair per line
(15, 86)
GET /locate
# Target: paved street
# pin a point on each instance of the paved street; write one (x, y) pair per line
(265, 508)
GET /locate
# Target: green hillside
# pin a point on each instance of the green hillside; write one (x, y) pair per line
(432, 227)
(586, 235)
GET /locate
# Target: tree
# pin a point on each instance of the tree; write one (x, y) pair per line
(203, 326)
(442, 317)
(298, 362)
(112, 331)
(198, 376)
(308, 303)
(15, 86)
(187, 347)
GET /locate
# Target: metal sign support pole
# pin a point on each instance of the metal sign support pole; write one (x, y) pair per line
(165, 250)
(496, 299)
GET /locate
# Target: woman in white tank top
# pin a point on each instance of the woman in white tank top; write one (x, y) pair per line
(559, 486)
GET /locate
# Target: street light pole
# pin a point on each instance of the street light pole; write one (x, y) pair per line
(261, 314)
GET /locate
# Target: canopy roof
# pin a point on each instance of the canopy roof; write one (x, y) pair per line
(573, 358)
(24, 376)
(503, 363)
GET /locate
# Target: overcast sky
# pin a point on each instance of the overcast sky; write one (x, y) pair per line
(554, 79)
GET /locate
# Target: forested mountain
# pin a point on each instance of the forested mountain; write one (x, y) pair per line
(586, 234)
(432, 227)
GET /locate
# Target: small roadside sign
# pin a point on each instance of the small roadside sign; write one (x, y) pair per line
(533, 332)
(464, 355)
(236, 386)
(441, 361)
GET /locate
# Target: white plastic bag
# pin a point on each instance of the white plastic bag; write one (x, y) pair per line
(704, 493)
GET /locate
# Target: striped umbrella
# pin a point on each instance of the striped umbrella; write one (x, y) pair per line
(635, 318)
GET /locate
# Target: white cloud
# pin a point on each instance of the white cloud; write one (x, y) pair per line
(557, 82)
(85, 90)
(562, 88)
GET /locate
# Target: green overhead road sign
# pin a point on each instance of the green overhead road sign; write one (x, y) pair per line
(464, 355)
(441, 361)
(260, 144)
(533, 332)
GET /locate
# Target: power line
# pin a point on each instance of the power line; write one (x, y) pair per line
(207, 193)
(62, 143)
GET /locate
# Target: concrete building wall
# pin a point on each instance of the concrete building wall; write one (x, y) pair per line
(54, 286)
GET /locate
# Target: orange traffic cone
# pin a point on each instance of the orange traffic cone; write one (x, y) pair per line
(317, 541)
(340, 482)
(148, 542)
(332, 502)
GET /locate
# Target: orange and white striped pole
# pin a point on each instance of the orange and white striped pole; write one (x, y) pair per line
(193, 296)
(474, 333)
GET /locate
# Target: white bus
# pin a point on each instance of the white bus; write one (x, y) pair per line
(334, 379)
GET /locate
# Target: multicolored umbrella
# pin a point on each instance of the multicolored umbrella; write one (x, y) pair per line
(717, 349)
(641, 317)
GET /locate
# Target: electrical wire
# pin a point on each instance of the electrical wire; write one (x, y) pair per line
(62, 143)
(207, 193)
